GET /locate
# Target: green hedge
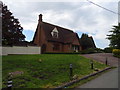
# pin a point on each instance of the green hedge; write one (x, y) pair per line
(88, 51)
(108, 50)
(99, 50)
(62, 53)
(116, 52)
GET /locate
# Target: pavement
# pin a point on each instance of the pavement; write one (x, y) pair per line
(108, 79)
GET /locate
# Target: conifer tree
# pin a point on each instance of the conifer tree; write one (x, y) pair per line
(87, 42)
(11, 28)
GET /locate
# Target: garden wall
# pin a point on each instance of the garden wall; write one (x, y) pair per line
(21, 50)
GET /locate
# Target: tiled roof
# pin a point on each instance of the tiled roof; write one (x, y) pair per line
(64, 35)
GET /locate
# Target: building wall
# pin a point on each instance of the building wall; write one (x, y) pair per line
(62, 48)
(50, 47)
(21, 50)
(40, 37)
(67, 48)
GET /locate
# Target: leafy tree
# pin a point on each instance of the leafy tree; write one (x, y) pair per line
(87, 42)
(108, 50)
(11, 28)
(115, 37)
(0, 23)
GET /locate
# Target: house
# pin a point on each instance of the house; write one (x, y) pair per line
(53, 38)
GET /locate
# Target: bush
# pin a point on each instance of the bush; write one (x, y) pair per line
(62, 53)
(98, 50)
(108, 50)
(116, 51)
(88, 51)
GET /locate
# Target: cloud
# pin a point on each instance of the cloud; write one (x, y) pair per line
(63, 1)
(78, 16)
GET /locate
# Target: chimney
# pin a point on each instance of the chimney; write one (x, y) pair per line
(40, 17)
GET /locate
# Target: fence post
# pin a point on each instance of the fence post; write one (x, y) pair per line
(9, 82)
(106, 62)
(91, 62)
(71, 70)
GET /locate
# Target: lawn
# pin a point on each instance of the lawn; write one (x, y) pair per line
(46, 70)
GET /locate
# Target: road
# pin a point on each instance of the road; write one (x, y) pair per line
(108, 79)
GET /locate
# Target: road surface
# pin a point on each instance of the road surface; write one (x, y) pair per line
(101, 57)
(108, 79)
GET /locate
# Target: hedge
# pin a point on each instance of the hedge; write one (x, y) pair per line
(116, 51)
(62, 53)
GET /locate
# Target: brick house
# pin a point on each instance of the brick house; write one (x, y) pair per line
(54, 38)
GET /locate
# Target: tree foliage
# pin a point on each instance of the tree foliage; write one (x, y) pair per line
(11, 28)
(87, 42)
(114, 37)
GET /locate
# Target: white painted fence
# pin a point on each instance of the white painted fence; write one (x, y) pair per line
(21, 50)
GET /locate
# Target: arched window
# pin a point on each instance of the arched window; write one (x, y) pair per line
(54, 33)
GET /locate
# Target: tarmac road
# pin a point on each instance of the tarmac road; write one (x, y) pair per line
(108, 79)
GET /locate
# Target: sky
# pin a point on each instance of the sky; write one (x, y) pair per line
(79, 15)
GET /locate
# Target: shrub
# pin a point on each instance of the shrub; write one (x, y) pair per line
(62, 53)
(88, 51)
(98, 50)
(108, 50)
(116, 51)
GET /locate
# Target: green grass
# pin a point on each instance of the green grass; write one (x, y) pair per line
(0, 72)
(51, 71)
(118, 56)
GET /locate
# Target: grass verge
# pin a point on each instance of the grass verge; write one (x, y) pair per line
(46, 70)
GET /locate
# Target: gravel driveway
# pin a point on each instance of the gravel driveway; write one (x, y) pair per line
(112, 61)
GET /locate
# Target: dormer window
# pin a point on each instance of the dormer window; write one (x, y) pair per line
(54, 33)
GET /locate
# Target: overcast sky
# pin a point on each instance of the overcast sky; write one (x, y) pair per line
(80, 16)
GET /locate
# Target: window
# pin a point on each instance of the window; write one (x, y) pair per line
(75, 48)
(56, 47)
(54, 33)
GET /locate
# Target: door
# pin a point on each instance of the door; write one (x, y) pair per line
(43, 48)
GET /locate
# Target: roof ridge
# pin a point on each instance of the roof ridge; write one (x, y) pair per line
(59, 27)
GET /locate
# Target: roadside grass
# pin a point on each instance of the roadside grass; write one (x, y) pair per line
(118, 56)
(45, 70)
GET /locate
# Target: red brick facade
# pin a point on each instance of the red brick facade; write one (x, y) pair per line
(53, 38)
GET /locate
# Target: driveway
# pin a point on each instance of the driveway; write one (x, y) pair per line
(108, 79)
(112, 61)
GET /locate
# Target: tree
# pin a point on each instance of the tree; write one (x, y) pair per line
(11, 28)
(115, 37)
(87, 42)
(0, 23)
